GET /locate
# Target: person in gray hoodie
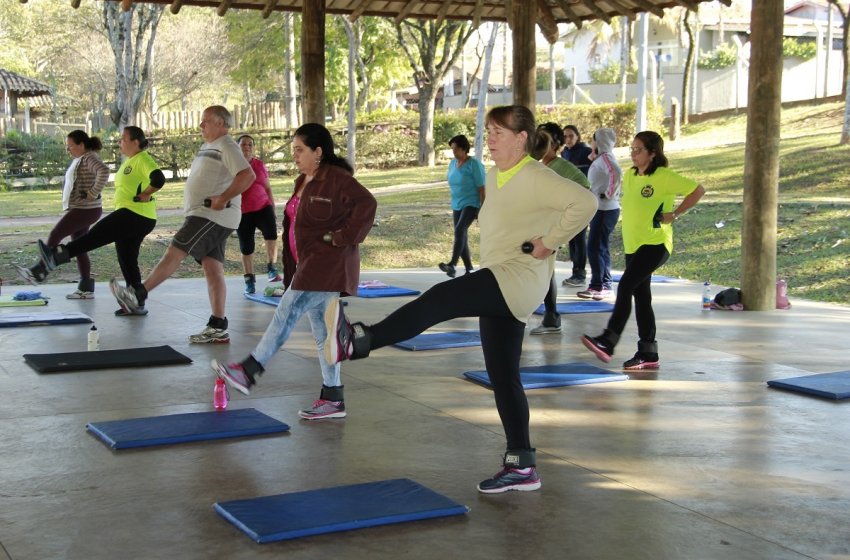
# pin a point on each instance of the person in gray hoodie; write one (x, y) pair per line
(605, 178)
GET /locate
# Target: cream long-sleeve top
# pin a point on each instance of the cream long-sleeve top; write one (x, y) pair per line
(536, 202)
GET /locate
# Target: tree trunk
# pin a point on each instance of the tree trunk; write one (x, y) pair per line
(482, 92)
(132, 49)
(761, 158)
(524, 58)
(845, 36)
(353, 47)
(689, 68)
(313, 61)
(427, 101)
(289, 93)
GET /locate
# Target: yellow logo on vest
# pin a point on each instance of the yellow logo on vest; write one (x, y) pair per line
(647, 191)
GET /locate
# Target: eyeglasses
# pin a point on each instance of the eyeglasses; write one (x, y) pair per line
(634, 151)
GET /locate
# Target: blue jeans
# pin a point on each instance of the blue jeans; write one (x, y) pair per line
(598, 248)
(292, 306)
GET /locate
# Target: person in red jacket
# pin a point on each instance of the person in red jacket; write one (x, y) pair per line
(329, 215)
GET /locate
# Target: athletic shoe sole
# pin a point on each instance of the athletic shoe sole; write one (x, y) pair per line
(642, 365)
(545, 330)
(524, 487)
(307, 416)
(26, 275)
(222, 373)
(209, 340)
(592, 347)
(117, 291)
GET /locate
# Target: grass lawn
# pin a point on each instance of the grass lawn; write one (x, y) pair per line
(413, 228)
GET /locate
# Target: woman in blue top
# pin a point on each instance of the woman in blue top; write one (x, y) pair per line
(466, 183)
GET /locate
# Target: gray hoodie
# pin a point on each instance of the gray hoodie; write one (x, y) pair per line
(605, 175)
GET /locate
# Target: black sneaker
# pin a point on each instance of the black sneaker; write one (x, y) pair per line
(46, 255)
(448, 269)
(509, 478)
(641, 362)
(598, 346)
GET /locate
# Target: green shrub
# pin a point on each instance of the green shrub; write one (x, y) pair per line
(797, 48)
(562, 80)
(33, 156)
(724, 56)
(610, 74)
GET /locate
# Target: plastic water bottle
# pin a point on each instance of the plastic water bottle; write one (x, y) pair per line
(706, 296)
(93, 339)
(220, 395)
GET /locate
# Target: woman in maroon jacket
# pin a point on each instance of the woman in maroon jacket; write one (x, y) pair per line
(326, 219)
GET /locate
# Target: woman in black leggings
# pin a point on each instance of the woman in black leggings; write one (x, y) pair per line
(526, 202)
(647, 209)
(138, 178)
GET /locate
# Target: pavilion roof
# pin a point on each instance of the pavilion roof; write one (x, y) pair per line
(21, 85)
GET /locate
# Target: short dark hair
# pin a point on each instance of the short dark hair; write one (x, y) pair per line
(555, 131)
(461, 142)
(574, 129)
(654, 143)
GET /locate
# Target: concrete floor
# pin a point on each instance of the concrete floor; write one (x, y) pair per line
(700, 460)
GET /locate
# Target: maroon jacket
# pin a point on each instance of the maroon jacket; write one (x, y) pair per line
(332, 202)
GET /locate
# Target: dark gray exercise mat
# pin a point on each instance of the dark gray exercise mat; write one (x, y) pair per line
(106, 359)
(42, 318)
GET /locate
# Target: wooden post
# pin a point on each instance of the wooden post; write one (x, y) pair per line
(523, 17)
(313, 61)
(675, 126)
(761, 158)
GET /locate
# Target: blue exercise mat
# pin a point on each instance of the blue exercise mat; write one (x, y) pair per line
(384, 291)
(180, 428)
(260, 298)
(42, 318)
(835, 385)
(342, 508)
(440, 340)
(557, 375)
(588, 306)
(653, 278)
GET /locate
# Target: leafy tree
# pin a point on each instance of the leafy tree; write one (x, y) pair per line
(431, 48)
(562, 80)
(131, 35)
(724, 56)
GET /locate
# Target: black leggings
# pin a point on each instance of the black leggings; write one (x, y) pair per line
(472, 295)
(462, 219)
(636, 283)
(127, 230)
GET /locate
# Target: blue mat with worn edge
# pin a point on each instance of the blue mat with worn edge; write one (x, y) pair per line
(260, 298)
(557, 375)
(341, 508)
(588, 306)
(835, 385)
(42, 318)
(441, 340)
(385, 291)
(181, 428)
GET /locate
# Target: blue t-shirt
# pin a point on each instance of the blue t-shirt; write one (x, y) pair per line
(464, 183)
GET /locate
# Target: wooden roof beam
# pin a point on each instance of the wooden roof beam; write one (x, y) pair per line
(269, 8)
(404, 11)
(175, 7)
(223, 7)
(650, 7)
(444, 9)
(571, 15)
(476, 16)
(357, 10)
(548, 24)
(74, 3)
(622, 9)
(693, 6)
(126, 5)
(591, 5)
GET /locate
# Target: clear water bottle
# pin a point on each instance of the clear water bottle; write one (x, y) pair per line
(93, 339)
(220, 394)
(706, 296)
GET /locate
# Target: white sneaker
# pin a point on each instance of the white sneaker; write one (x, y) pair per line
(210, 335)
(80, 294)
